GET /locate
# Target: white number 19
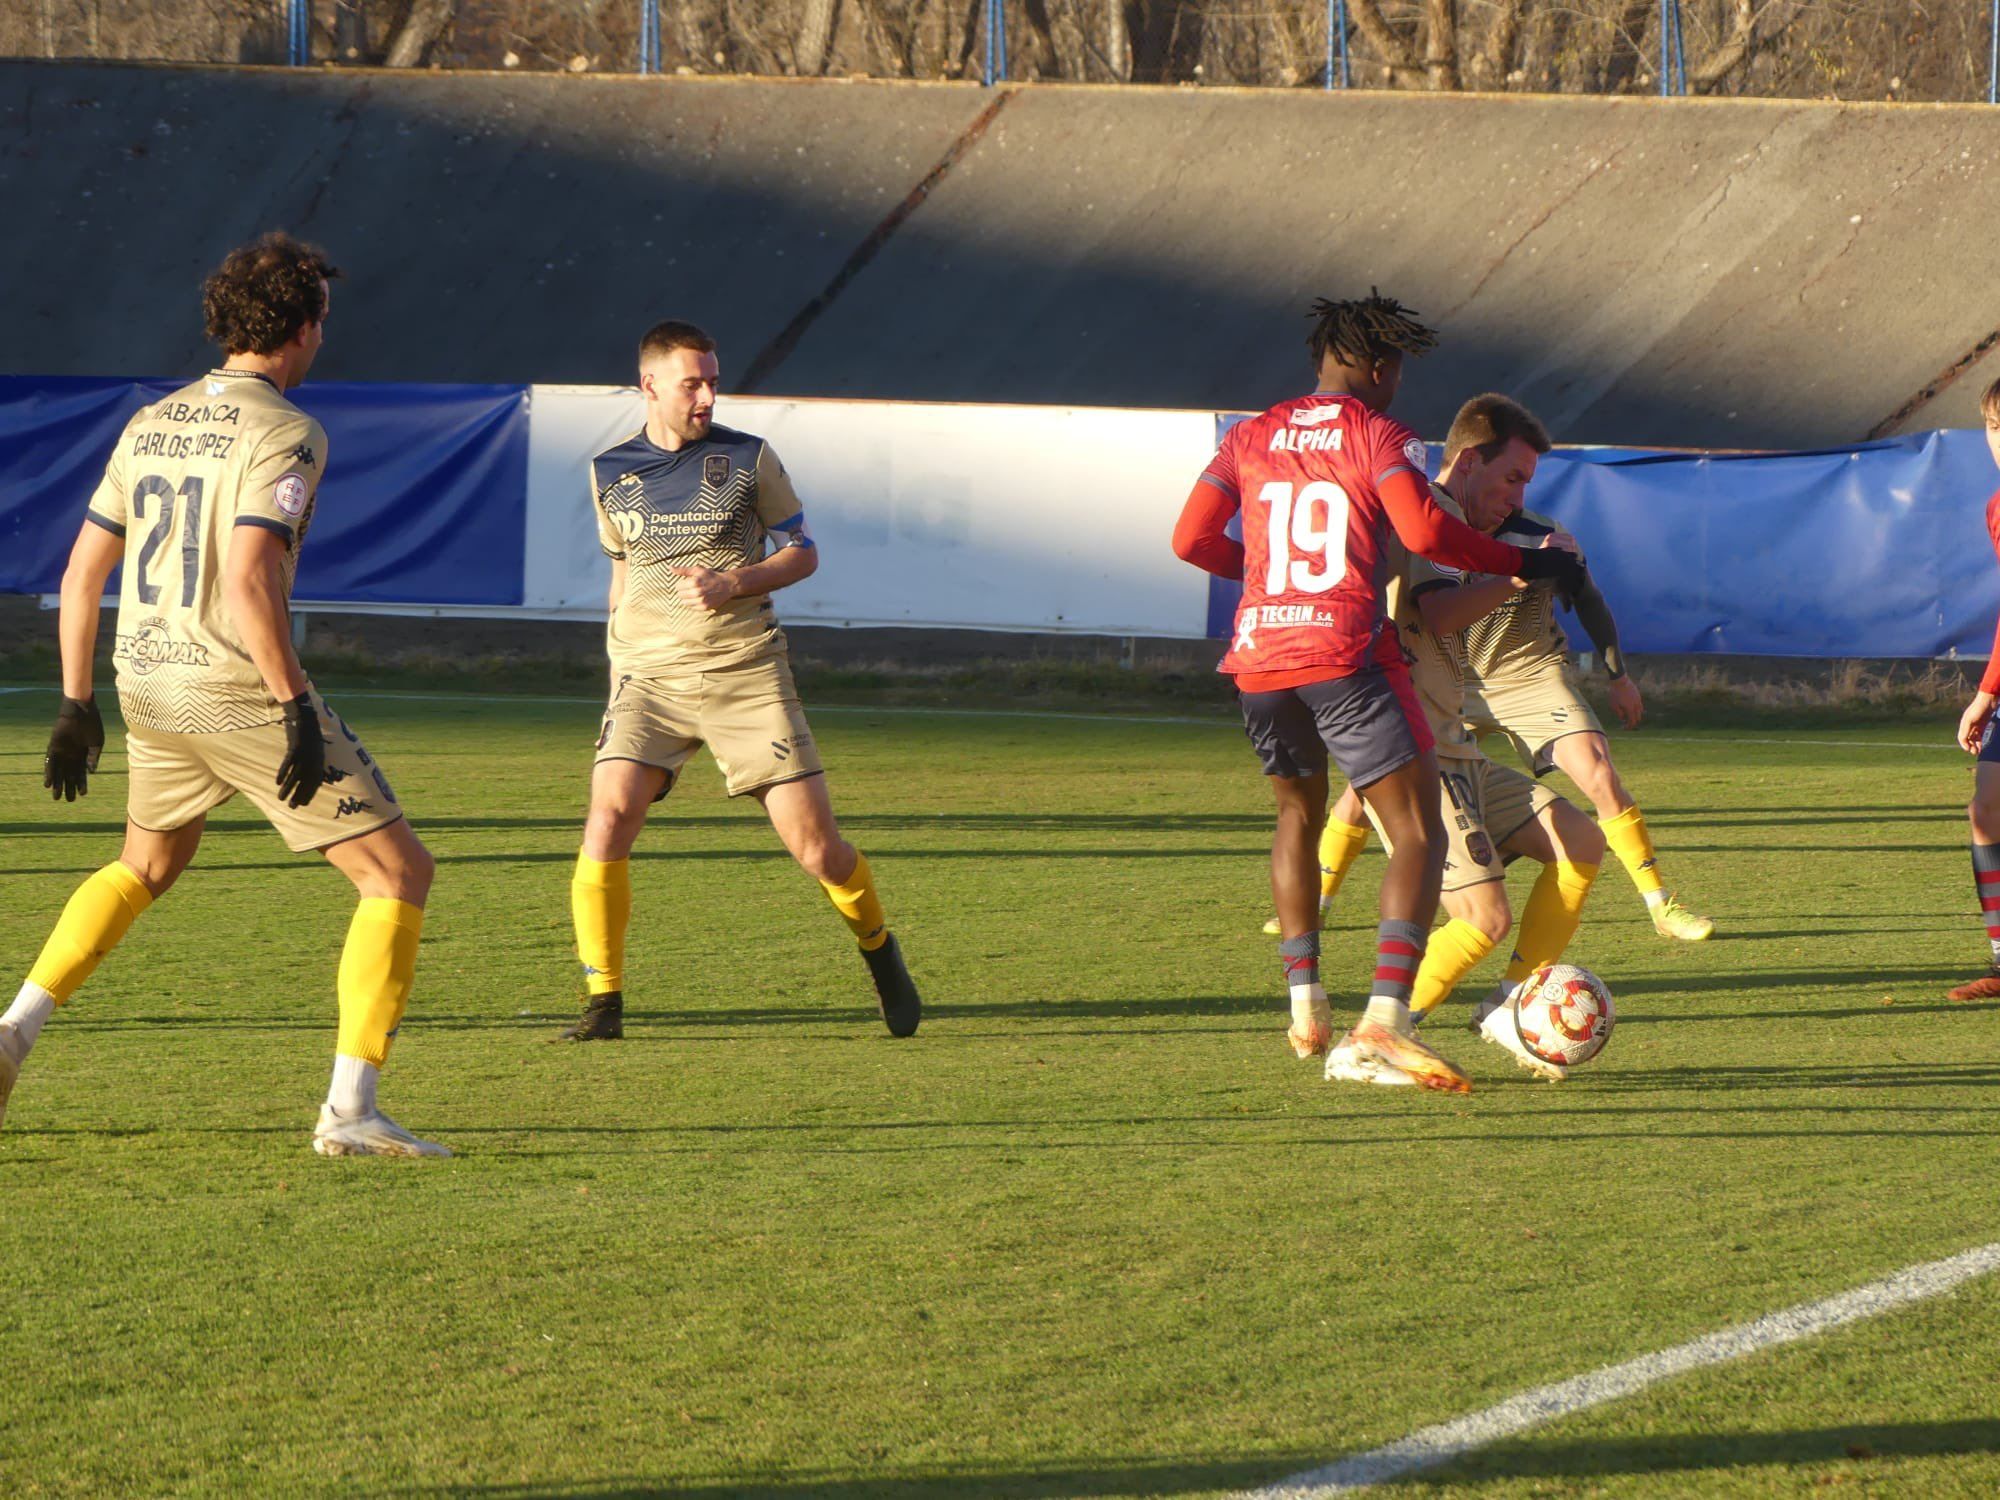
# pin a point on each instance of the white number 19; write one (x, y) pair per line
(1314, 525)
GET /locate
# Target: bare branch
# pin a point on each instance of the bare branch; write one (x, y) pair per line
(1404, 66)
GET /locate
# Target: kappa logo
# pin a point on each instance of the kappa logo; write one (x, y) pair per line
(337, 774)
(352, 805)
(1246, 632)
(304, 457)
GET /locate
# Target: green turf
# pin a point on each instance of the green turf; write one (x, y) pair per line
(1092, 1231)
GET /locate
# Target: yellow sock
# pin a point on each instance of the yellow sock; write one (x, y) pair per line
(600, 903)
(1554, 908)
(859, 907)
(377, 968)
(1340, 844)
(1627, 836)
(1453, 951)
(99, 913)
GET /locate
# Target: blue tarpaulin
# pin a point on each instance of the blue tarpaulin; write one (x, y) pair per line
(1878, 550)
(424, 501)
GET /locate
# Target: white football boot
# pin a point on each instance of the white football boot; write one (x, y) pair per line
(1496, 1025)
(1350, 1062)
(11, 1054)
(369, 1134)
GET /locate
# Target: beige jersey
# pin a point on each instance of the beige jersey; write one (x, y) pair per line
(718, 503)
(1520, 640)
(1437, 663)
(225, 452)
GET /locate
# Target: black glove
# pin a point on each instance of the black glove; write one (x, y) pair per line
(1563, 567)
(73, 748)
(303, 770)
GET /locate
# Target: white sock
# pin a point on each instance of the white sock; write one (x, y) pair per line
(1655, 898)
(1387, 1010)
(1308, 1000)
(30, 1009)
(353, 1089)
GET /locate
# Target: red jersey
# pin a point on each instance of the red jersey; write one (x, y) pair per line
(1989, 682)
(1308, 477)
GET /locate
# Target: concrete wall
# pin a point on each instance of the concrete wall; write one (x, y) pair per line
(1735, 274)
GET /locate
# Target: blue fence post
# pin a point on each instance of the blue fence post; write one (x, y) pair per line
(996, 43)
(1993, 60)
(298, 34)
(649, 36)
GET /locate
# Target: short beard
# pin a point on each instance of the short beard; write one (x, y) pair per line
(691, 429)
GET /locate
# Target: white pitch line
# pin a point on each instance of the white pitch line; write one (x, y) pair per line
(1430, 1446)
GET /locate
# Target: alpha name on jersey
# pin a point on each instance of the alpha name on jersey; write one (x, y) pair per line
(1304, 475)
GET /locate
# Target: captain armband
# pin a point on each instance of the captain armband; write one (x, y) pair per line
(792, 532)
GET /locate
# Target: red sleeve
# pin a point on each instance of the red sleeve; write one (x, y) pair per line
(1201, 535)
(1989, 681)
(1429, 532)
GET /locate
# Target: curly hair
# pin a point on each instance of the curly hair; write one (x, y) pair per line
(264, 292)
(1367, 329)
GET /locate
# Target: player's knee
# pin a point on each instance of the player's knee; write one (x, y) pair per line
(414, 869)
(828, 859)
(1494, 918)
(1984, 813)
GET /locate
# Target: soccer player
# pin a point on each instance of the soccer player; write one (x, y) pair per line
(1491, 815)
(702, 525)
(1520, 681)
(206, 501)
(1976, 733)
(1320, 482)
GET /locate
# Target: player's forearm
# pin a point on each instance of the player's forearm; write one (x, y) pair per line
(1201, 534)
(1447, 609)
(782, 569)
(1595, 616)
(255, 598)
(90, 566)
(76, 629)
(1428, 531)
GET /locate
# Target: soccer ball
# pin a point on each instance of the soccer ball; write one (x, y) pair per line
(1564, 1014)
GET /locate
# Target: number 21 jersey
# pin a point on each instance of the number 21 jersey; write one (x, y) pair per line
(1304, 475)
(225, 452)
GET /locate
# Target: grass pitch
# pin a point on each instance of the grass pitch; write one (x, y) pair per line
(1091, 1232)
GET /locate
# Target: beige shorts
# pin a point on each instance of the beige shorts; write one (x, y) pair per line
(1533, 713)
(1484, 806)
(748, 716)
(176, 778)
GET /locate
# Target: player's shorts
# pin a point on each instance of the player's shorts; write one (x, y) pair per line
(1533, 713)
(1484, 806)
(1989, 741)
(1369, 724)
(749, 717)
(176, 778)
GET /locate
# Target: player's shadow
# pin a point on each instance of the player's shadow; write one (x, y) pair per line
(1719, 1077)
(1850, 1449)
(1053, 1481)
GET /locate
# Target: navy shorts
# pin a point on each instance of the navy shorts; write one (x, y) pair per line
(1367, 724)
(1989, 742)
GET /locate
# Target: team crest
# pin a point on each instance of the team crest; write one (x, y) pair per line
(715, 469)
(1480, 847)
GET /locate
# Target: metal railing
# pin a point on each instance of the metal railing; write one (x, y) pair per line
(993, 26)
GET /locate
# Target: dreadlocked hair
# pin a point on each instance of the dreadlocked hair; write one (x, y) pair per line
(1366, 330)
